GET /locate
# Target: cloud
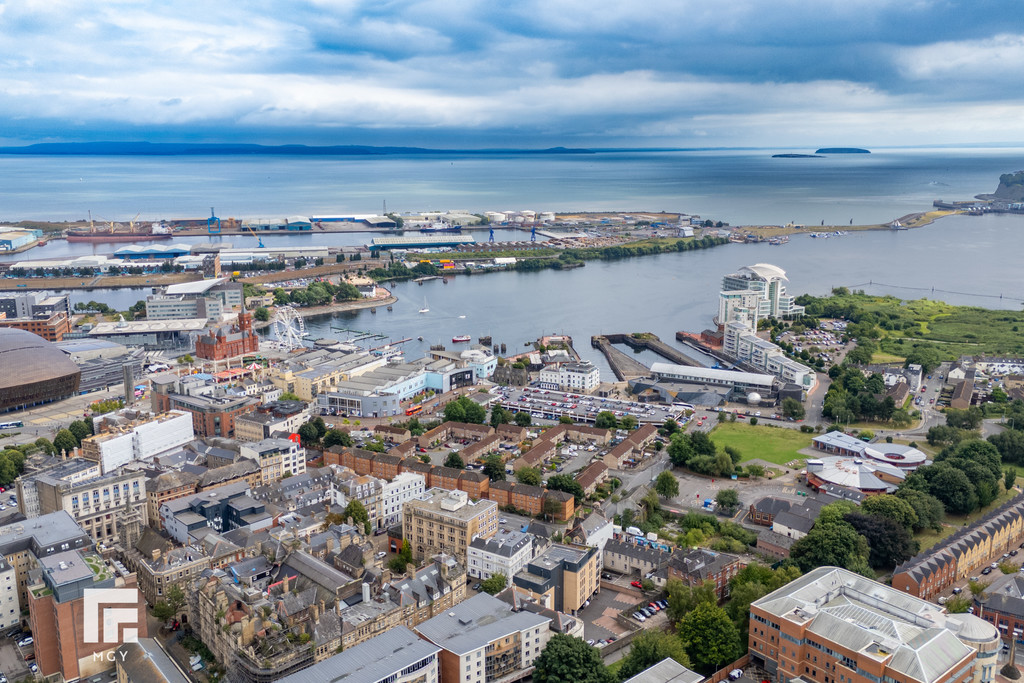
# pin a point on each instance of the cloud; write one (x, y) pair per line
(662, 72)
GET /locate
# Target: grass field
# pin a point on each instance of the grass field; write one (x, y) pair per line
(773, 444)
(879, 357)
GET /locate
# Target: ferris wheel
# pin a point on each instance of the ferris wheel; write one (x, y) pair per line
(288, 328)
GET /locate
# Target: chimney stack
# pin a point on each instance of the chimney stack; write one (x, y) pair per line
(366, 592)
(284, 584)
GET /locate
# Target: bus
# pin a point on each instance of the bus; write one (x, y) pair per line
(12, 425)
(414, 410)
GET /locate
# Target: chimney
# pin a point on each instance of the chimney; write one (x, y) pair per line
(366, 592)
(284, 584)
(314, 610)
(329, 545)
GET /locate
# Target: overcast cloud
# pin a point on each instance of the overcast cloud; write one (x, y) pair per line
(530, 73)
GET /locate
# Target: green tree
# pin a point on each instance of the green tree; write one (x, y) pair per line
(337, 437)
(308, 433)
(565, 482)
(464, 409)
(162, 611)
(357, 511)
(680, 450)
(792, 408)
(889, 542)
(755, 471)
(528, 475)
(1009, 479)
(45, 445)
(454, 460)
(565, 420)
(289, 396)
(567, 659)
(176, 598)
(833, 545)
(667, 485)
(628, 422)
(729, 499)
(82, 430)
(522, 419)
(398, 564)
(500, 416)
(495, 584)
(683, 599)
(65, 441)
(494, 467)
(261, 314)
(954, 488)
(927, 507)
(890, 507)
(605, 420)
(712, 639)
(650, 647)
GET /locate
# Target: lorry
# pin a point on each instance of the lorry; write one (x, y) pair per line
(634, 531)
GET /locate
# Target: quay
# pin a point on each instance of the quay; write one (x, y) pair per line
(651, 342)
(624, 367)
(420, 242)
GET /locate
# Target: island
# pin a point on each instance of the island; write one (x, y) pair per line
(1011, 189)
(842, 150)
(796, 156)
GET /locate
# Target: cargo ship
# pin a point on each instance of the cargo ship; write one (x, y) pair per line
(110, 233)
(441, 226)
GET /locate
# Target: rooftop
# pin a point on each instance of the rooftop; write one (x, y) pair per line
(476, 622)
(371, 661)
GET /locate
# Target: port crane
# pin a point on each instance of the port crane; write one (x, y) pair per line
(258, 238)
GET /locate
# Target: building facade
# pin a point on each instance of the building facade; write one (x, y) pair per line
(443, 521)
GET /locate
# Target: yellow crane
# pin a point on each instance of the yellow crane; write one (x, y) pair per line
(260, 239)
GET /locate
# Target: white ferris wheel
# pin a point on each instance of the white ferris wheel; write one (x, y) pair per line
(288, 328)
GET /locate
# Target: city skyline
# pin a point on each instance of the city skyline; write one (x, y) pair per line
(472, 75)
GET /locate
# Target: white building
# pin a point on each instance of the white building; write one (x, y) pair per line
(137, 439)
(742, 344)
(10, 609)
(583, 377)
(405, 486)
(595, 531)
(507, 552)
(277, 458)
(210, 299)
(484, 640)
(755, 292)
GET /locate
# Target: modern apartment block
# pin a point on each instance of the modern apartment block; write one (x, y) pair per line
(271, 418)
(562, 578)
(482, 639)
(276, 457)
(443, 521)
(396, 493)
(834, 626)
(22, 544)
(741, 343)
(756, 292)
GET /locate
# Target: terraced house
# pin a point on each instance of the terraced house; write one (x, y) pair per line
(963, 554)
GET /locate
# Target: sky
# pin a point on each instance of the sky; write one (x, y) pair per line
(523, 74)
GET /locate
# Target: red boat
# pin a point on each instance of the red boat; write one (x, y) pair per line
(458, 339)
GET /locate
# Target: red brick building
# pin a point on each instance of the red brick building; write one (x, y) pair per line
(229, 341)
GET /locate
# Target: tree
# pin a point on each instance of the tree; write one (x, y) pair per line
(65, 441)
(565, 482)
(289, 396)
(500, 416)
(494, 467)
(628, 422)
(495, 584)
(397, 565)
(683, 599)
(465, 409)
(565, 420)
(522, 419)
(81, 430)
(650, 647)
(454, 460)
(528, 475)
(567, 659)
(667, 485)
(45, 445)
(1010, 444)
(890, 507)
(680, 450)
(162, 611)
(337, 437)
(792, 408)
(308, 433)
(261, 314)
(729, 499)
(831, 545)
(755, 471)
(953, 488)
(702, 444)
(175, 598)
(712, 639)
(1009, 479)
(927, 507)
(357, 511)
(889, 541)
(605, 420)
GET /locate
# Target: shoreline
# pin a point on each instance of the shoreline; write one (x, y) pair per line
(339, 307)
(911, 221)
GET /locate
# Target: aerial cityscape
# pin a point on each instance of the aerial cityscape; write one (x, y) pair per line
(554, 342)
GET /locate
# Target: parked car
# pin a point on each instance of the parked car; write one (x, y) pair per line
(735, 674)
(639, 617)
(958, 590)
(986, 571)
(663, 603)
(25, 642)
(636, 584)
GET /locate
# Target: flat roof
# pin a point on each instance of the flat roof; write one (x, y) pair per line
(474, 623)
(712, 374)
(372, 660)
(197, 287)
(143, 326)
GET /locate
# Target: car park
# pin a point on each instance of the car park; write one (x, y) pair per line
(25, 642)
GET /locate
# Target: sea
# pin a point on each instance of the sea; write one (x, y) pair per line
(965, 260)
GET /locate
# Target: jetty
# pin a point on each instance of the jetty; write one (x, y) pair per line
(624, 367)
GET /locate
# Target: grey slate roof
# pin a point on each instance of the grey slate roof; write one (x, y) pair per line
(474, 623)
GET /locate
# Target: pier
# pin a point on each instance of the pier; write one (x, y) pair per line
(624, 367)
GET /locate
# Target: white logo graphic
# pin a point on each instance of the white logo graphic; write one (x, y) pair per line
(113, 617)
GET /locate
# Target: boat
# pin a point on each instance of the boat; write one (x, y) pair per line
(419, 338)
(441, 226)
(425, 308)
(896, 225)
(113, 234)
(389, 308)
(782, 239)
(460, 338)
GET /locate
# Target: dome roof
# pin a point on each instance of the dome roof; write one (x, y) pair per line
(970, 627)
(766, 271)
(34, 359)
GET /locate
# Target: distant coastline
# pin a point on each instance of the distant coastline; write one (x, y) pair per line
(842, 150)
(217, 149)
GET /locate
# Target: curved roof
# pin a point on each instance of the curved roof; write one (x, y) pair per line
(766, 271)
(36, 359)
(970, 627)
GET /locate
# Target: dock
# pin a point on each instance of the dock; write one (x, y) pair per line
(651, 342)
(420, 241)
(624, 367)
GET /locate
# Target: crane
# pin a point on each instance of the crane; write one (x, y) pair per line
(249, 228)
(131, 223)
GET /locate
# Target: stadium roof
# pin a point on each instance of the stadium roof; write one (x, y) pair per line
(28, 358)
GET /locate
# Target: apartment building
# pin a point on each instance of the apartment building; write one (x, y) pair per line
(834, 626)
(276, 457)
(396, 493)
(164, 487)
(222, 509)
(482, 639)
(213, 409)
(97, 504)
(271, 418)
(366, 489)
(396, 656)
(443, 521)
(700, 565)
(583, 377)
(22, 544)
(506, 553)
(562, 578)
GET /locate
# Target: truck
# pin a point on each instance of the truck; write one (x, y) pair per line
(634, 531)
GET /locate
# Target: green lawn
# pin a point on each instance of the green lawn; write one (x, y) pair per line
(774, 444)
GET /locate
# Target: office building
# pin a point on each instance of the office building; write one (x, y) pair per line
(482, 639)
(442, 521)
(270, 419)
(833, 625)
(99, 504)
(208, 299)
(213, 409)
(221, 509)
(583, 377)
(395, 493)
